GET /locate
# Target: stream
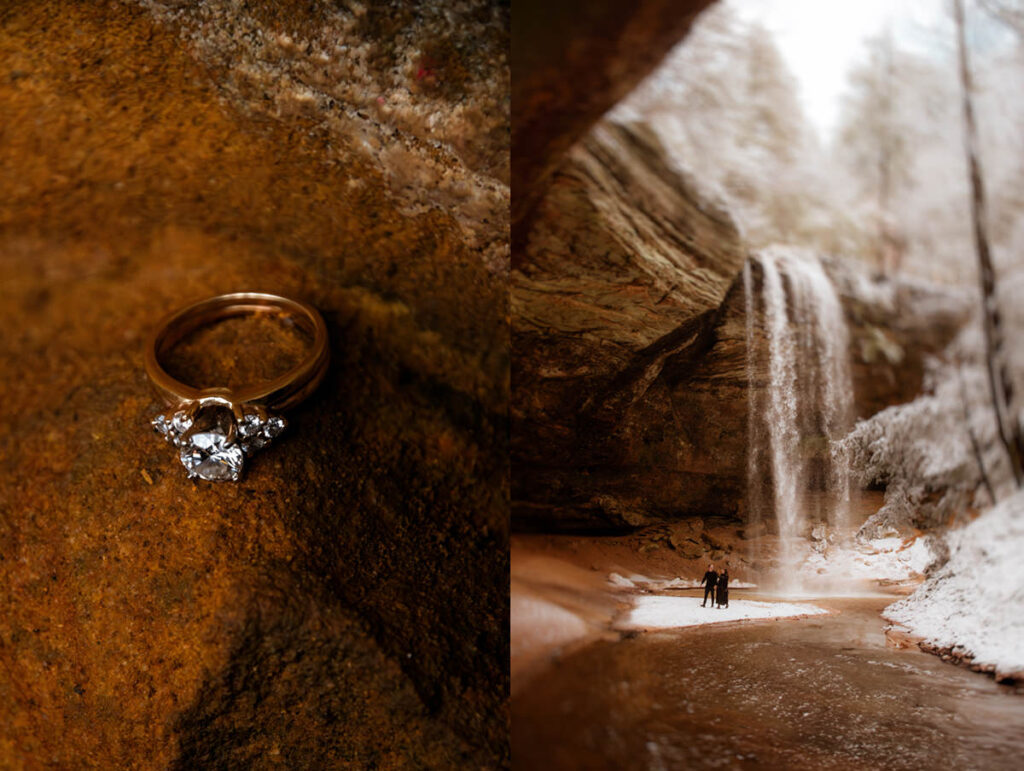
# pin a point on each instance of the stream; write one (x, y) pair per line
(818, 692)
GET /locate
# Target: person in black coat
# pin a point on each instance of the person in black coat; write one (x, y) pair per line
(722, 590)
(709, 582)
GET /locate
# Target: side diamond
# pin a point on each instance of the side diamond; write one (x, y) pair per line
(250, 425)
(162, 426)
(255, 434)
(172, 427)
(274, 427)
(251, 432)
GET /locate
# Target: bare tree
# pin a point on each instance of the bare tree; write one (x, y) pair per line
(1000, 383)
(979, 458)
(879, 142)
(1010, 12)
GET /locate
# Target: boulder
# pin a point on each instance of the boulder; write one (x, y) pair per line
(346, 602)
(685, 532)
(690, 549)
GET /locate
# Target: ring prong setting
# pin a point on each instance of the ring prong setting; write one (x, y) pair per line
(213, 442)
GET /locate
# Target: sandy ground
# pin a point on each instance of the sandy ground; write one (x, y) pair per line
(556, 608)
(568, 591)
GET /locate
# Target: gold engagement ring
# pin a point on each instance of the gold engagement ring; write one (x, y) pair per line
(215, 428)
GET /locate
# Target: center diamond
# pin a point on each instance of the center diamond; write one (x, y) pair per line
(206, 450)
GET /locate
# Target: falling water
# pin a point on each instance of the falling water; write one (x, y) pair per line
(808, 404)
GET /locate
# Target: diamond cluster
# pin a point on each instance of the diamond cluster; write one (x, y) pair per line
(212, 444)
(256, 433)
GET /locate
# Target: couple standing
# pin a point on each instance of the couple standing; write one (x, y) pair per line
(717, 585)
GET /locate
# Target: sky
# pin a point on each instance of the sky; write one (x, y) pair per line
(821, 39)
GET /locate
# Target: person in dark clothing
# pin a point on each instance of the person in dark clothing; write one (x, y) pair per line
(722, 589)
(709, 582)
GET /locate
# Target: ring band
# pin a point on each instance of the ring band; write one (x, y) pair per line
(214, 428)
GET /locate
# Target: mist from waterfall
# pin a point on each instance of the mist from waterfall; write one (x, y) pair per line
(801, 403)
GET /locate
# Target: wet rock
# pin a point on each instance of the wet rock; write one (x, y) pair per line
(954, 655)
(346, 602)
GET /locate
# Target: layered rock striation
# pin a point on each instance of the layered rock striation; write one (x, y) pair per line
(624, 270)
(631, 379)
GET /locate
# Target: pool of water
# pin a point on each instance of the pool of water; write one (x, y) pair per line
(819, 692)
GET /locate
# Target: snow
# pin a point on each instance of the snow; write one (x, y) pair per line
(620, 582)
(975, 603)
(922, 451)
(881, 559)
(637, 581)
(666, 612)
(885, 545)
(824, 569)
(919, 556)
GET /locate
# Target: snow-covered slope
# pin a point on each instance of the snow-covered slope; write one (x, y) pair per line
(974, 604)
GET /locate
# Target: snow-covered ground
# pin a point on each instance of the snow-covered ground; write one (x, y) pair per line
(848, 568)
(821, 570)
(637, 581)
(666, 612)
(974, 604)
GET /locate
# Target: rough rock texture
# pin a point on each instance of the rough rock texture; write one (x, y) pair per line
(895, 326)
(629, 344)
(419, 89)
(624, 270)
(346, 603)
(573, 60)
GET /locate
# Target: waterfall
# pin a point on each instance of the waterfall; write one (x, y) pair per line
(801, 402)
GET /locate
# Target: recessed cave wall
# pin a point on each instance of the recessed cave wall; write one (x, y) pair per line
(630, 382)
(625, 268)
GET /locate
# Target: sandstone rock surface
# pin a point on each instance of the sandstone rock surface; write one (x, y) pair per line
(573, 61)
(630, 367)
(345, 604)
(623, 271)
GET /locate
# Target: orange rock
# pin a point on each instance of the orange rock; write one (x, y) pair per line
(900, 637)
(346, 602)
